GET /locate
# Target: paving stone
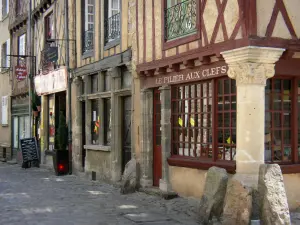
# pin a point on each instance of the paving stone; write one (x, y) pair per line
(36, 196)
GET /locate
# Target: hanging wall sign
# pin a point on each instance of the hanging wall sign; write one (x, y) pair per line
(51, 54)
(21, 72)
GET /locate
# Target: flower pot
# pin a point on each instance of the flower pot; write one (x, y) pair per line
(60, 162)
(35, 113)
(38, 108)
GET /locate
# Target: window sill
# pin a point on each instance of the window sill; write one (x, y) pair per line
(179, 161)
(112, 44)
(102, 148)
(87, 54)
(4, 125)
(289, 169)
(180, 41)
(230, 166)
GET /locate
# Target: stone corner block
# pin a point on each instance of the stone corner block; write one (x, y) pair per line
(272, 196)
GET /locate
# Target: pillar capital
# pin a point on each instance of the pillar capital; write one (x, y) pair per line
(252, 65)
(78, 80)
(114, 72)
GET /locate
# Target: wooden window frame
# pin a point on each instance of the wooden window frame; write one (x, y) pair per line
(47, 26)
(196, 160)
(230, 166)
(181, 40)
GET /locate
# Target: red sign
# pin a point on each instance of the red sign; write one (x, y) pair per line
(21, 72)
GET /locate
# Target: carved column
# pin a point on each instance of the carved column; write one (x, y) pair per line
(116, 124)
(164, 183)
(146, 128)
(251, 67)
(77, 124)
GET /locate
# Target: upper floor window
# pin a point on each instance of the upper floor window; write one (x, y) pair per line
(88, 25)
(49, 27)
(5, 60)
(5, 8)
(180, 18)
(22, 48)
(112, 20)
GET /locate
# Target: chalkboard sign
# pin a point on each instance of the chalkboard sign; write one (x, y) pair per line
(29, 150)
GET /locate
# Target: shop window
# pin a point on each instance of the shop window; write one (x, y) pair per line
(226, 114)
(88, 20)
(49, 27)
(107, 121)
(193, 125)
(112, 28)
(95, 122)
(279, 124)
(180, 18)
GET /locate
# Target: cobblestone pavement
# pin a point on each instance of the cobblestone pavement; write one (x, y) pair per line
(36, 196)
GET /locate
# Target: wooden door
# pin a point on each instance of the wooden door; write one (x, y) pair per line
(157, 158)
(126, 142)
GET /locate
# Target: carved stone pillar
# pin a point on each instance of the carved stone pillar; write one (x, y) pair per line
(77, 125)
(251, 67)
(116, 124)
(164, 183)
(146, 128)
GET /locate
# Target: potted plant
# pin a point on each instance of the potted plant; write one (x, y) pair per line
(36, 102)
(61, 155)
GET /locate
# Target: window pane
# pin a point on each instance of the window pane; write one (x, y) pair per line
(95, 122)
(278, 115)
(226, 115)
(107, 121)
(192, 120)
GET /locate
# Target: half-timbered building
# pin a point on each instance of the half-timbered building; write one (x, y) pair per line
(219, 85)
(20, 103)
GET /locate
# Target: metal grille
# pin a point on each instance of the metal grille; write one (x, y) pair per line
(180, 19)
(88, 40)
(112, 28)
(278, 121)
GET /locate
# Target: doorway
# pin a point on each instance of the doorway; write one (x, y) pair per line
(157, 158)
(83, 151)
(126, 131)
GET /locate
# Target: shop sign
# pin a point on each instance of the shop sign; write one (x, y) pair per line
(21, 72)
(51, 54)
(188, 75)
(53, 82)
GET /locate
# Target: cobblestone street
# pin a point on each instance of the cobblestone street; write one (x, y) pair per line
(36, 196)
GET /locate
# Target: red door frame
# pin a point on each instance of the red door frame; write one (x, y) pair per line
(157, 157)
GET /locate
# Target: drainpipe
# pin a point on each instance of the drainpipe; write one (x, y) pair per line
(69, 85)
(30, 65)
